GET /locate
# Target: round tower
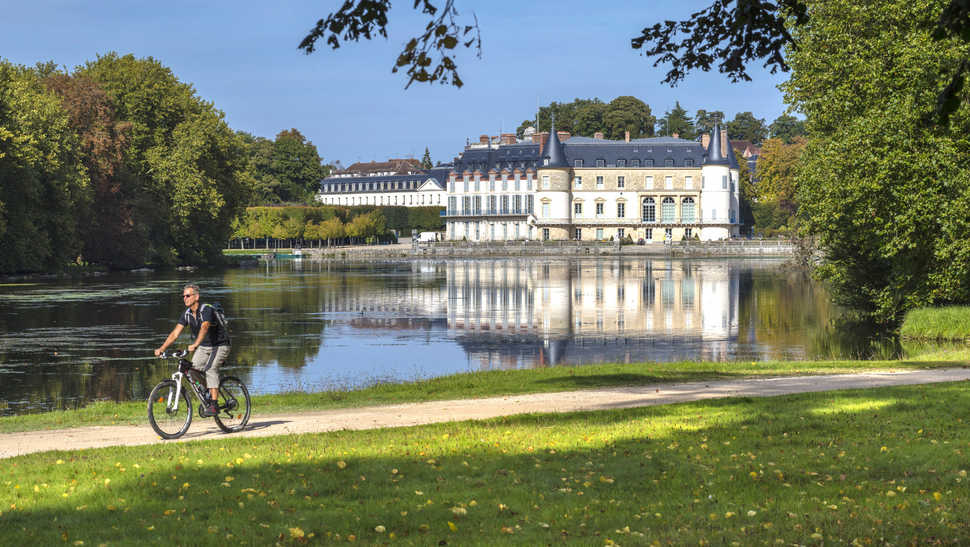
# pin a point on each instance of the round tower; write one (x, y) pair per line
(717, 191)
(553, 217)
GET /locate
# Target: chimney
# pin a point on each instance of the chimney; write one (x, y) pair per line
(705, 140)
(598, 135)
(724, 141)
(542, 141)
(508, 138)
(676, 135)
(563, 135)
(483, 139)
(626, 136)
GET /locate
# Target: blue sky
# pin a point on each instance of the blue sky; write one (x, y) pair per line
(242, 56)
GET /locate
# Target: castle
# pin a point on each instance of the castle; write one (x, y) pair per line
(561, 187)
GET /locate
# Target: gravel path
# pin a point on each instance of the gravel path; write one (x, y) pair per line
(401, 415)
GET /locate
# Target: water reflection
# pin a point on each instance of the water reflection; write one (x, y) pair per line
(315, 325)
(589, 311)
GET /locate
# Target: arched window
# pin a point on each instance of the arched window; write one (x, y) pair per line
(667, 209)
(649, 210)
(687, 210)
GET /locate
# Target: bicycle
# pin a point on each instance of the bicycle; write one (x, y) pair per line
(170, 408)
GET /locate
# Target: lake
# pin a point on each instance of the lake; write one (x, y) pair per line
(322, 325)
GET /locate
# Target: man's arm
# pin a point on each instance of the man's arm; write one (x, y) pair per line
(171, 338)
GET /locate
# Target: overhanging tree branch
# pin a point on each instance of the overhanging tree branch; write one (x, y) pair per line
(426, 58)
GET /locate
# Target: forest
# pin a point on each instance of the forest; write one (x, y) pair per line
(119, 164)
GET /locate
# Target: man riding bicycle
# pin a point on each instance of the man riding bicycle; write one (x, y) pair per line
(211, 346)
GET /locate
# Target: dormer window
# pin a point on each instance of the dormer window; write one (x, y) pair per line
(621, 163)
(577, 163)
(668, 162)
(545, 161)
(688, 163)
(600, 163)
(635, 163)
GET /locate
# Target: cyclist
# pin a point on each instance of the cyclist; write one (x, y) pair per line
(211, 346)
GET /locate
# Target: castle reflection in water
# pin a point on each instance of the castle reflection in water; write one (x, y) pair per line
(592, 311)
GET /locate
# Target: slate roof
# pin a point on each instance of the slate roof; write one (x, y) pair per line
(391, 165)
(506, 156)
(649, 152)
(553, 153)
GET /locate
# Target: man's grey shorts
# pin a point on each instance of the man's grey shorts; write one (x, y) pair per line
(201, 358)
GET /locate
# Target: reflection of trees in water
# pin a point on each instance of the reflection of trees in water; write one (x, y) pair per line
(283, 316)
(786, 308)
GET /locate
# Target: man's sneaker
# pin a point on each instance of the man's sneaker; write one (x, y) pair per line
(211, 409)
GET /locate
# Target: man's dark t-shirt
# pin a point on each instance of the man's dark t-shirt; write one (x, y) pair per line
(215, 336)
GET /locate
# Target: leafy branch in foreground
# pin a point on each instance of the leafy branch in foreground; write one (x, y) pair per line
(754, 29)
(442, 34)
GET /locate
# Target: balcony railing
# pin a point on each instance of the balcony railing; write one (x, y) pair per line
(486, 213)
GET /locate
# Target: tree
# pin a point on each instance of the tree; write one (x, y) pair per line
(777, 168)
(786, 128)
(628, 113)
(110, 235)
(44, 188)
(520, 131)
(297, 166)
(704, 120)
(747, 191)
(426, 159)
(257, 171)
(588, 118)
(885, 194)
(746, 127)
(677, 121)
(332, 229)
(181, 156)
(565, 114)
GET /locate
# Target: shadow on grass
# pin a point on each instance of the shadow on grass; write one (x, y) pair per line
(673, 473)
(631, 379)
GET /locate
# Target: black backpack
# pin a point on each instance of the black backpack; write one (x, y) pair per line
(220, 318)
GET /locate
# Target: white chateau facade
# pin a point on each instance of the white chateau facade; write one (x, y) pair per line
(588, 189)
(555, 187)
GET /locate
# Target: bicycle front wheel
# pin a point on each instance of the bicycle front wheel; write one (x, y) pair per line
(234, 405)
(170, 417)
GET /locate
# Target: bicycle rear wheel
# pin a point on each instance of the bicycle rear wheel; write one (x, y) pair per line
(170, 418)
(234, 405)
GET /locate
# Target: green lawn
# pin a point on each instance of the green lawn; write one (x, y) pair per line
(881, 466)
(486, 384)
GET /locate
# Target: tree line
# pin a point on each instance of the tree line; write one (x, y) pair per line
(586, 117)
(325, 225)
(119, 163)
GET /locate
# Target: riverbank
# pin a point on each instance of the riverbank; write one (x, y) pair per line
(463, 249)
(860, 466)
(473, 385)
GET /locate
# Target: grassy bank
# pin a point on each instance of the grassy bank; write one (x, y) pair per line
(484, 384)
(882, 466)
(946, 323)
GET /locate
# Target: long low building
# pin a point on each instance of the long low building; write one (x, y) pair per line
(422, 188)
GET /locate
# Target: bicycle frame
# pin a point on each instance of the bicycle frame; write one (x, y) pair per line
(177, 378)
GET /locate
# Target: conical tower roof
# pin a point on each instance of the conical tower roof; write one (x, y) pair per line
(714, 154)
(552, 154)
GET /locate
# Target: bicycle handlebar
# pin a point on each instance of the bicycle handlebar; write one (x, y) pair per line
(174, 354)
